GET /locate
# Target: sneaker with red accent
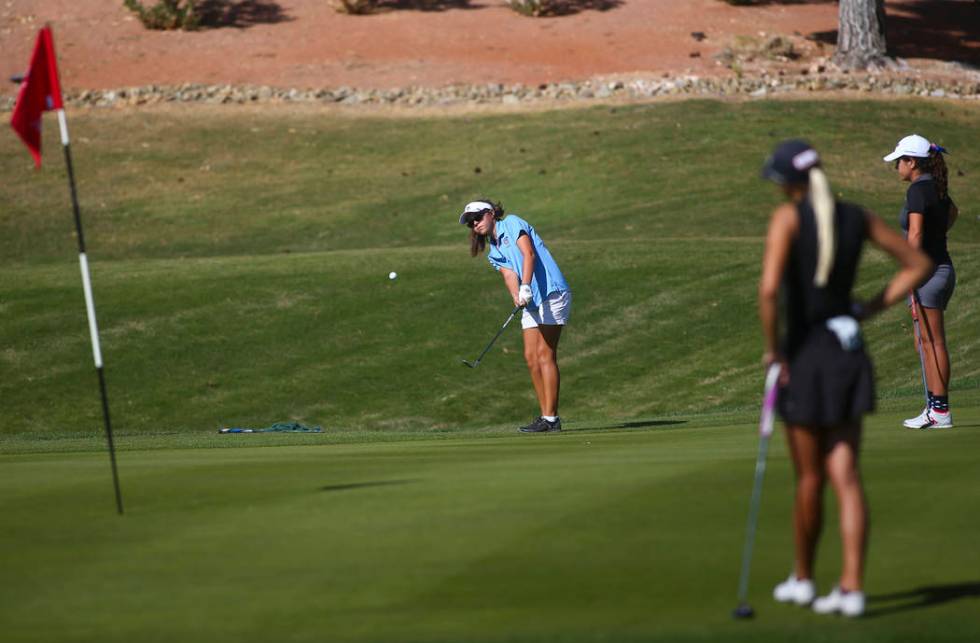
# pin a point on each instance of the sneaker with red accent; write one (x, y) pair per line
(940, 420)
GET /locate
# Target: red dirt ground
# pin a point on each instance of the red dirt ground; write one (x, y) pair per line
(305, 43)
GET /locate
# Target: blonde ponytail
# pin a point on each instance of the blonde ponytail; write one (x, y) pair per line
(822, 200)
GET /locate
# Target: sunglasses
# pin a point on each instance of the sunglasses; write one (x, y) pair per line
(475, 217)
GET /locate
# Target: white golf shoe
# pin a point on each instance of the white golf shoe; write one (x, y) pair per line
(940, 420)
(931, 419)
(795, 590)
(840, 602)
(919, 421)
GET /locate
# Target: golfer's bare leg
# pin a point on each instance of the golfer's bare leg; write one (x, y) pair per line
(548, 366)
(804, 446)
(841, 460)
(935, 355)
(532, 342)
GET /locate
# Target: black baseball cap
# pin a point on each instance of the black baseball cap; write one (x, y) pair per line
(790, 162)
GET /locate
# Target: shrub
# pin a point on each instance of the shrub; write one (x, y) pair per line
(354, 6)
(370, 6)
(559, 7)
(165, 14)
(532, 7)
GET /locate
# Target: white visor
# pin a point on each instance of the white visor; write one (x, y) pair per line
(914, 145)
(474, 206)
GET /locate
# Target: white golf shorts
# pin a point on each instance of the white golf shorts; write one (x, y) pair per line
(553, 311)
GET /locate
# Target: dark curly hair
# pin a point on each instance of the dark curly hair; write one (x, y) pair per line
(478, 242)
(935, 165)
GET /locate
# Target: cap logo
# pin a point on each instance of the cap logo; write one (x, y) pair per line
(805, 160)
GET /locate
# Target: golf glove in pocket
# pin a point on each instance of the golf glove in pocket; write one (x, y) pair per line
(847, 330)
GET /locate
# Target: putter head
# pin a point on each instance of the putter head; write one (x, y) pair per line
(743, 611)
(470, 364)
(17, 78)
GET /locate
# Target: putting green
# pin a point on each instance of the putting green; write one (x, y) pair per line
(593, 534)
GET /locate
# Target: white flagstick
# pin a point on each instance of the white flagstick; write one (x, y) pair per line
(90, 305)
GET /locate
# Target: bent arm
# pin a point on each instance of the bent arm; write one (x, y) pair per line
(527, 249)
(953, 213)
(914, 264)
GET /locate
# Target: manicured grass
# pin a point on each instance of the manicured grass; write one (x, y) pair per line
(206, 182)
(660, 329)
(654, 212)
(595, 534)
(240, 261)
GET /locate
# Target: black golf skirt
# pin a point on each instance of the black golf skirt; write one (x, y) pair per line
(828, 385)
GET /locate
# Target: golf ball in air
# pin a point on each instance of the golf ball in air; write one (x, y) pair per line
(392, 275)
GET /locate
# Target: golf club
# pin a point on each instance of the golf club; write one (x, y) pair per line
(17, 78)
(744, 610)
(918, 344)
(476, 363)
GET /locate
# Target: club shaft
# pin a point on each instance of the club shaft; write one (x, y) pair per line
(499, 333)
(917, 311)
(760, 472)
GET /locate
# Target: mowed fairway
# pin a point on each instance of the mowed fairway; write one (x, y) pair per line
(240, 261)
(592, 535)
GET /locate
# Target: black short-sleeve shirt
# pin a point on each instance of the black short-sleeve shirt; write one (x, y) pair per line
(923, 197)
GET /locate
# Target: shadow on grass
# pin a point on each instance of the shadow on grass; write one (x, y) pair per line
(920, 597)
(644, 424)
(239, 14)
(350, 486)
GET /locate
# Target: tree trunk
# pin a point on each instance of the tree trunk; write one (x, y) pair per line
(861, 35)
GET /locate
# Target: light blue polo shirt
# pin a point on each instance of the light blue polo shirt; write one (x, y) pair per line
(504, 253)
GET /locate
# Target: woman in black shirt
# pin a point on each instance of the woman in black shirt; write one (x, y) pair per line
(927, 215)
(826, 384)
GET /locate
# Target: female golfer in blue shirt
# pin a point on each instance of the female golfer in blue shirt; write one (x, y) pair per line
(535, 283)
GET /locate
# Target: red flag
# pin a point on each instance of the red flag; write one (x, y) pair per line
(40, 92)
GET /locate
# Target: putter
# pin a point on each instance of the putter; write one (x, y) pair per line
(476, 363)
(744, 610)
(918, 342)
(17, 78)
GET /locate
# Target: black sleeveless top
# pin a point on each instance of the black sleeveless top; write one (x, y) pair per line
(809, 306)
